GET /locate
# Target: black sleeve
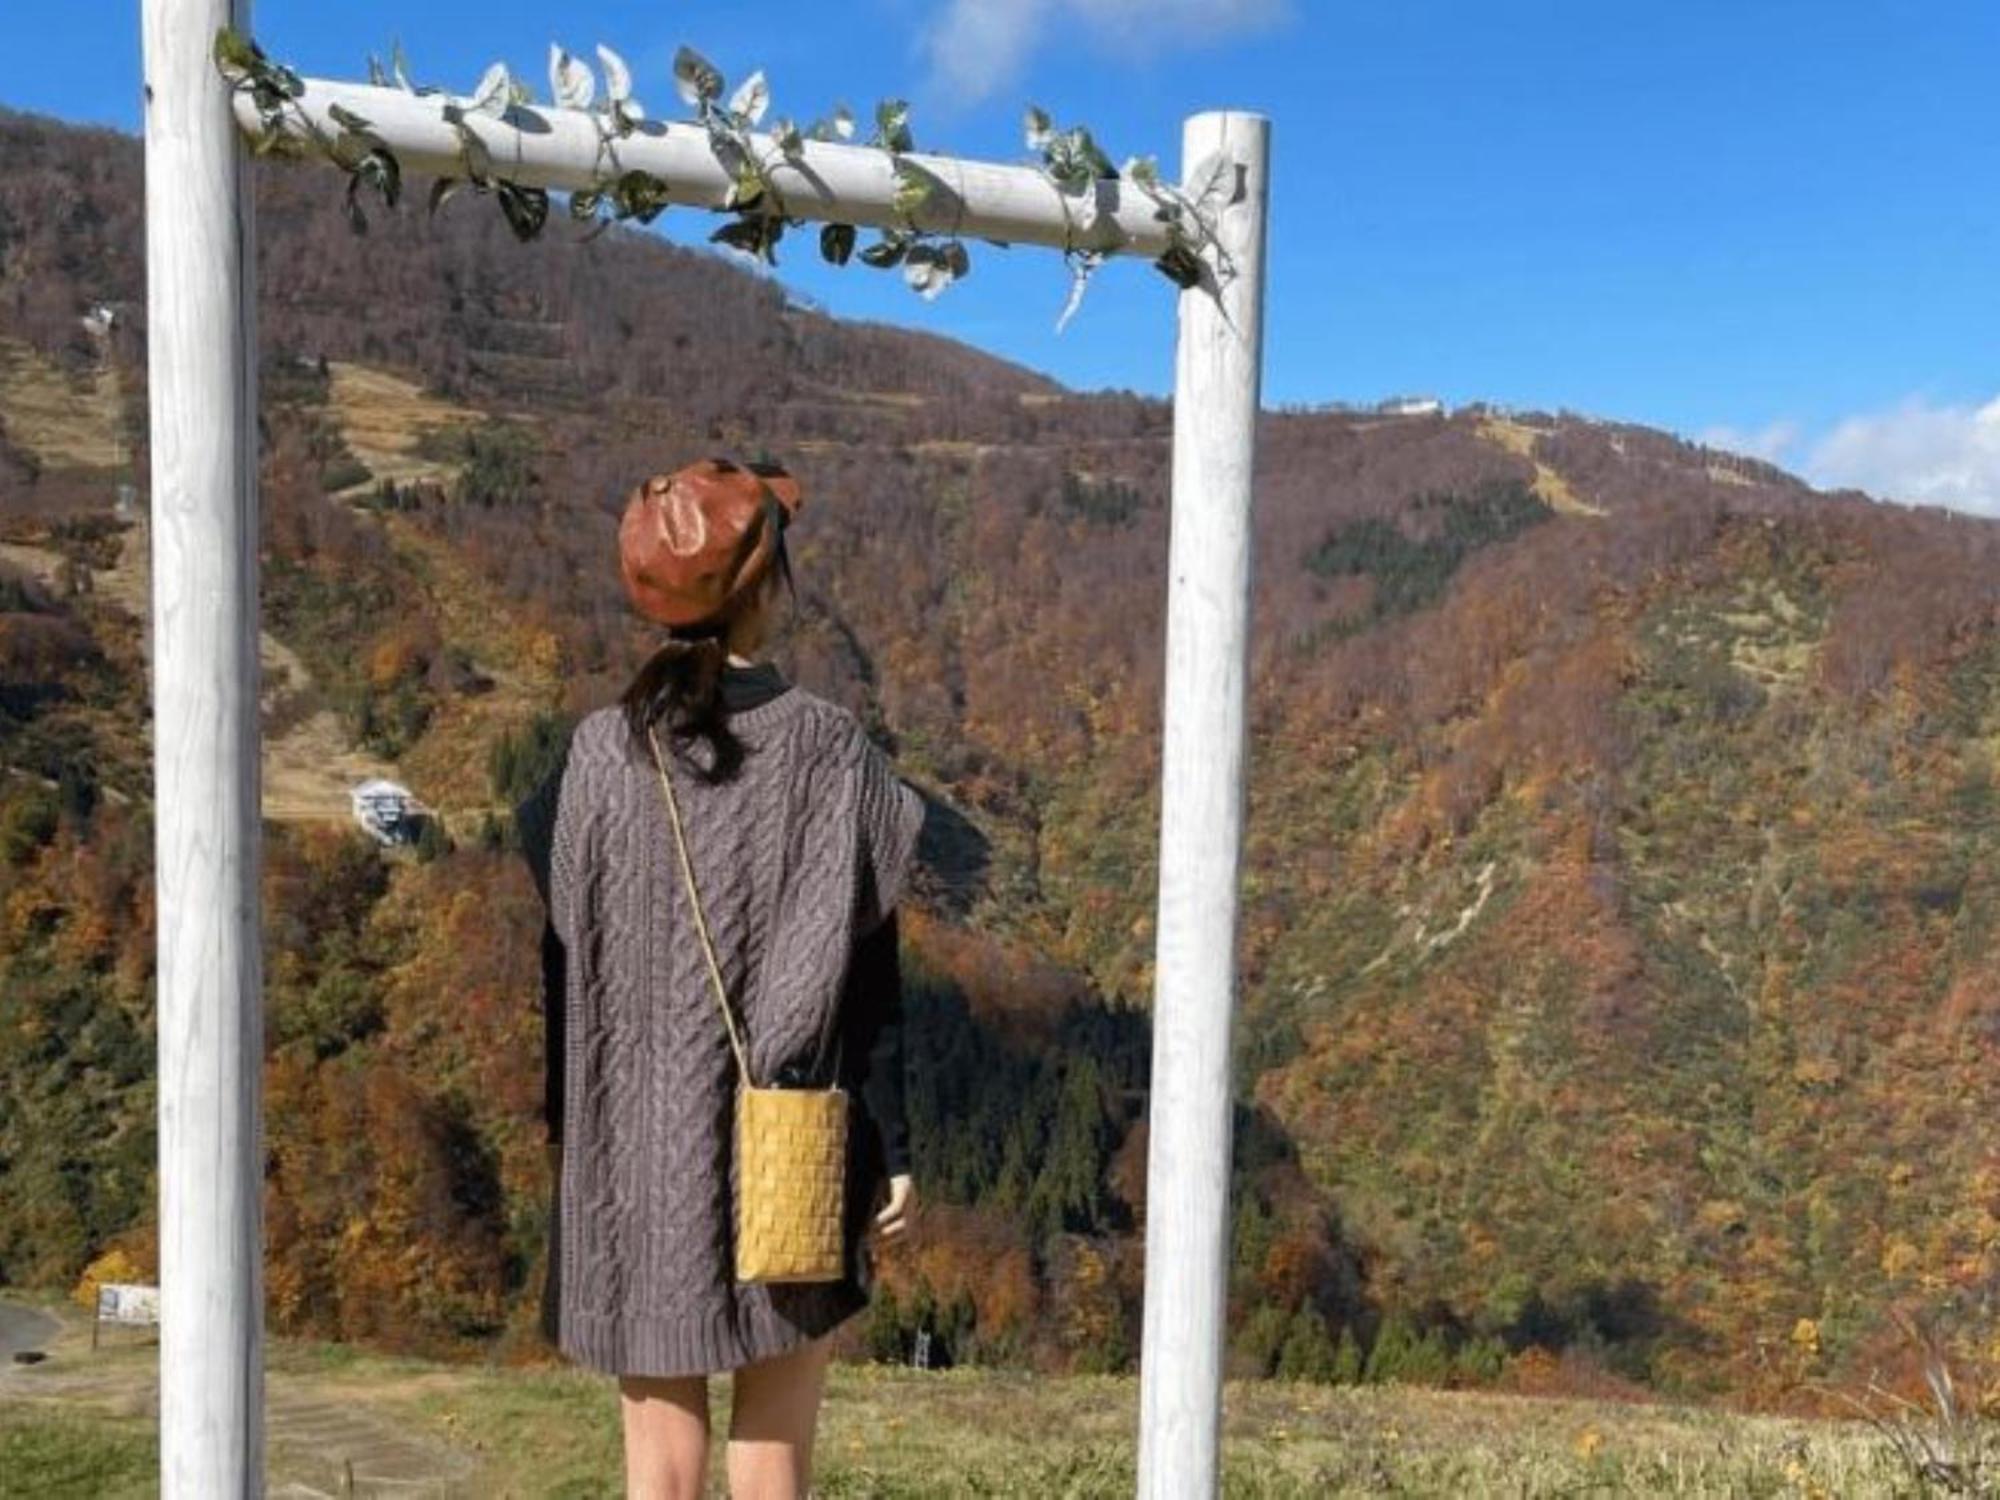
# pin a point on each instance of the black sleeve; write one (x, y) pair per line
(534, 822)
(553, 1010)
(872, 1041)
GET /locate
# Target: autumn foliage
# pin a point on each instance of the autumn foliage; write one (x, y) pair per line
(1619, 990)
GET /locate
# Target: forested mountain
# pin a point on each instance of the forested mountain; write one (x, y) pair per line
(1619, 991)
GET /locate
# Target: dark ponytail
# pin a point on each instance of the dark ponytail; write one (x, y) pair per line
(681, 684)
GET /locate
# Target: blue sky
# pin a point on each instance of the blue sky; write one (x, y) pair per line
(1772, 224)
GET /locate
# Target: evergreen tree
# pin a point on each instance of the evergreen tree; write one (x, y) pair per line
(1308, 1352)
(432, 841)
(1389, 1356)
(1479, 1361)
(1261, 1336)
(1428, 1361)
(1347, 1360)
(884, 1331)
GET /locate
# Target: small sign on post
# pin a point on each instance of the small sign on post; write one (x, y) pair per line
(127, 1303)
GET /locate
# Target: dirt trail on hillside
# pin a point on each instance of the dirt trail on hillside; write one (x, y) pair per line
(310, 767)
(316, 1433)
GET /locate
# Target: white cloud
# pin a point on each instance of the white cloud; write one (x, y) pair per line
(974, 46)
(1768, 443)
(1917, 453)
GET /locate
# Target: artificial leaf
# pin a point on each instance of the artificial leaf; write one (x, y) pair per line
(1037, 128)
(913, 188)
(924, 271)
(378, 77)
(640, 195)
(836, 242)
(892, 124)
(380, 169)
(400, 69)
(1081, 264)
(478, 160)
(235, 52)
(751, 99)
(583, 204)
(617, 76)
(348, 149)
(788, 138)
(346, 117)
(1087, 149)
(729, 152)
(885, 252)
(695, 77)
(746, 188)
(843, 122)
(493, 93)
(442, 189)
(753, 234)
(1181, 266)
(571, 83)
(526, 208)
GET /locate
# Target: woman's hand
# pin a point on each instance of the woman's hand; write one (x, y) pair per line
(892, 1220)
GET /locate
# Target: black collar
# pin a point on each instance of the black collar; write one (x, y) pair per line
(746, 687)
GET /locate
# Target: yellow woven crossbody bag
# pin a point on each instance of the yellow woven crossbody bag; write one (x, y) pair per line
(791, 1143)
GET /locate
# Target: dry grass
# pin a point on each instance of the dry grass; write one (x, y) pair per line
(447, 765)
(63, 423)
(893, 1432)
(1551, 486)
(384, 418)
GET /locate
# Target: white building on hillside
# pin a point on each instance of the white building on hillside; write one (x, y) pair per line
(391, 813)
(1410, 406)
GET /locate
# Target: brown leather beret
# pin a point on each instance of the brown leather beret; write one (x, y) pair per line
(694, 541)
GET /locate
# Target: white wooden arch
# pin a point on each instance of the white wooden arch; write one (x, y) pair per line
(201, 305)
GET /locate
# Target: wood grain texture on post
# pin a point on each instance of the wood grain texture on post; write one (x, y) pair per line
(1217, 386)
(201, 336)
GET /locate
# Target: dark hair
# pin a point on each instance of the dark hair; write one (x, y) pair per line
(681, 684)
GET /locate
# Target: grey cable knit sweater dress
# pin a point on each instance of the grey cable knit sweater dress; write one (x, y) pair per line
(804, 852)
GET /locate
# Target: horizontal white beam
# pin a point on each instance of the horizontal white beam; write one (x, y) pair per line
(548, 147)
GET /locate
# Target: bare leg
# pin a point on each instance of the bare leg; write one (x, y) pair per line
(774, 1408)
(666, 1436)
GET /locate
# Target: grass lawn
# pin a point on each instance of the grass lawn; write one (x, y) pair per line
(82, 1425)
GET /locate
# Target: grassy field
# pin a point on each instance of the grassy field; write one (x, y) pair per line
(83, 1424)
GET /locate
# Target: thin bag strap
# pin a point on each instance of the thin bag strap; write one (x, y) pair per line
(700, 920)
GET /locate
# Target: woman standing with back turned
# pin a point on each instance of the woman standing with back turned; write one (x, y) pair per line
(800, 837)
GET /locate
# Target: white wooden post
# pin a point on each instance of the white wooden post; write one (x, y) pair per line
(1216, 390)
(207, 782)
